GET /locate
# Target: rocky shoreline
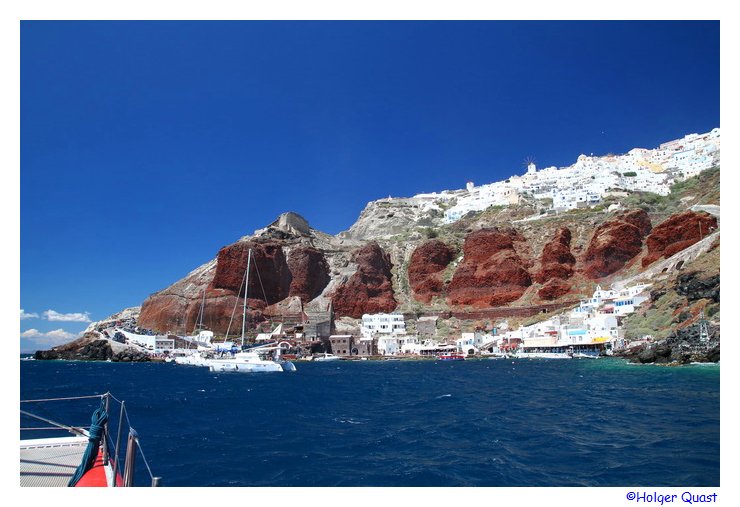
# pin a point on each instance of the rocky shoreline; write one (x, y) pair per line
(683, 346)
(93, 348)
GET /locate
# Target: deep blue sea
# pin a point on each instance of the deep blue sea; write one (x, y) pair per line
(408, 423)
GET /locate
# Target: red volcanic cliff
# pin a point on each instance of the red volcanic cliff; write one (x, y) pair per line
(491, 273)
(556, 266)
(268, 270)
(177, 308)
(310, 272)
(304, 274)
(615, 242)
(553, 289)
(678, 232)
(556, 260)
(168, 313)
(369, 290)
(426, 266)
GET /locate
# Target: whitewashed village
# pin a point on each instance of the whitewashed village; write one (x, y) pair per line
(590, 330)
(588, 181)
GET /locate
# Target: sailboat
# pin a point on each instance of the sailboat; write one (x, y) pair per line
(201, 340)
(251, 360)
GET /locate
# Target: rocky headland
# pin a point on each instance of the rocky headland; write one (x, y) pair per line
(93, 347)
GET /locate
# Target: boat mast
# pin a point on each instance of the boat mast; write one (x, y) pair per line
(199, 320)
(202, 308)
(246, 287)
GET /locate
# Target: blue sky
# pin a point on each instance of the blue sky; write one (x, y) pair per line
(147, 146)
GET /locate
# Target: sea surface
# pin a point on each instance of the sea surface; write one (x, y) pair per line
(406, 423)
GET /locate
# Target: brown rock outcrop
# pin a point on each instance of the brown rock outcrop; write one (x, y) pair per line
(678, 232)
(369, 289)
(174, 313)
(268, 270)
(176, 309)
(167, 313)
(615, 242)
(553, 289)
(491, 273)
(426, 265)
(309, 271)
(557, 261)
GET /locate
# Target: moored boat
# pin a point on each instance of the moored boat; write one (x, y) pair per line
(251, 361)
(192, 358)
(586, 354)
(542, 355)
(451, 356)
(326, 357)
(255, 359)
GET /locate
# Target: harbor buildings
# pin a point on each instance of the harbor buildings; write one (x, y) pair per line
(593, 326)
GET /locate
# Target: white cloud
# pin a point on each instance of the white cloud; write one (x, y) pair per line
(50, 338)
(51, 315)
(25, 315)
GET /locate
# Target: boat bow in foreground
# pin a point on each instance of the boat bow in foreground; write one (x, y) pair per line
(90, 458)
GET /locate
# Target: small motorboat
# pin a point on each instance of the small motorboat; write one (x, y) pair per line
(451, 356)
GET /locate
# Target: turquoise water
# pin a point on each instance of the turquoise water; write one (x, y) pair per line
(410, 423)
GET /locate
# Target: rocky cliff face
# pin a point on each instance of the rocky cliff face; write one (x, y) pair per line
(285, 264)
(426, 268)
(556, 266)
(615, 243)
(386, 218)
(369, 290)
(269, 277)
(492, 273)
(294, 266)
(678, 233)
(557, 261)
(175, 308)
(309, 271)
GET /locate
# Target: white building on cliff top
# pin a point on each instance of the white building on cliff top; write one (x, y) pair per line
(587, 181)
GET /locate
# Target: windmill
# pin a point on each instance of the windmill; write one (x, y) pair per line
(529, 163)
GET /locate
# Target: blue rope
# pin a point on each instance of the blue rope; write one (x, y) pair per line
(97, 426)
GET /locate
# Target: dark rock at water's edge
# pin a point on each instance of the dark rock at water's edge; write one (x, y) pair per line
(683, 346)
(131, 356)
(98, 350)
(91, 348)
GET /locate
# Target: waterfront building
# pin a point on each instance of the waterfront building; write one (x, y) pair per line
(593, 326)
(426, 348)
(383, 324)
(153, 343)
(471, 343)
(343, 345)
(387, 329)
(390, 345)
